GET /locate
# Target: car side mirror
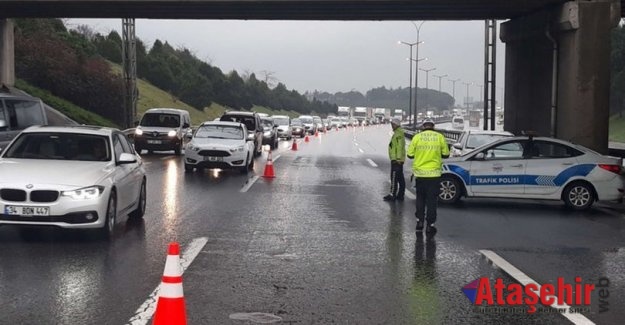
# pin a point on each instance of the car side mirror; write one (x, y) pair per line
(457, 146)
(185, 125)
(126, 158)
(479, 156)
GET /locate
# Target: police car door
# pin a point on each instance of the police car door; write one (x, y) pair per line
(499, 169)
(549, 165)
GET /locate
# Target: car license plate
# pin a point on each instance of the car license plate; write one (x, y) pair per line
(213, 159)
(155, 141)
(13, 210)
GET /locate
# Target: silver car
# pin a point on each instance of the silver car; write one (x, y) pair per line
(472, 139)
(71, 177)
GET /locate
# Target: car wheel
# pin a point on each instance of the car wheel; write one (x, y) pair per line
(245, 168)
(140, 211)
(106, 232)
(578, 196)
(450, 190)
(188, 168)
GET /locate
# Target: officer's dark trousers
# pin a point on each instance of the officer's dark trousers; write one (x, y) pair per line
(428, 189)
(398, 183)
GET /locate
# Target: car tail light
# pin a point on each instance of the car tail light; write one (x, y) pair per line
(611, 168)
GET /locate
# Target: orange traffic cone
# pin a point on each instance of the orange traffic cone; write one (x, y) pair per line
(269, 167)
(306, 139)
(170, 308)
(316, 133)
(294, 146)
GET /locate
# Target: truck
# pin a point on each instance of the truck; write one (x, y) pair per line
(382, 115)
(398, 113)
(474, 118)
(363, 114)
(345, 111)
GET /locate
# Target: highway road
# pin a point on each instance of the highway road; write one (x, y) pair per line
(315, 245)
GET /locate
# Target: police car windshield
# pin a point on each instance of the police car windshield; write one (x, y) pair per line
(220, 132)
(478, 140)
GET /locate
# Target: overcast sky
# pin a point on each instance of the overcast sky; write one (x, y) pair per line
(329, 56)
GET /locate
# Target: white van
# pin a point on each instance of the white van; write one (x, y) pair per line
(17, 113)
(457, 123)
(162, 129)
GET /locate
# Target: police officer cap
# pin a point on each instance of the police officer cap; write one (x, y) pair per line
(395, 121)
(428, 121)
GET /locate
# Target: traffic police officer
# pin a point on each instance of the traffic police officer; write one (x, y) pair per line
(397, 154)
(427, 148)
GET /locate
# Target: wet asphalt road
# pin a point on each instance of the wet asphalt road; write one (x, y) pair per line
(315, 245)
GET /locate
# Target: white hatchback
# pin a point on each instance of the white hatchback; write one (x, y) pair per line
(534, 168)
(71, 177)
(220, 145)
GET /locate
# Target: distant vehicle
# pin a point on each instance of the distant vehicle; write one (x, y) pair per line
(398, 113)
(344, 121)
(528, 167)
(220, 144)
(474, 118)
(16, 114)
(81, 177)
(283, 125)
(309, 123)
(162, 129)
(270, 133)
(500, 119)
(319, 123)
(298, 128)
(382, 115)
(345, 111)
(362, 113)
(457, 123)
(262, 115)
(471, 139)
(335, 122)
(253, 125)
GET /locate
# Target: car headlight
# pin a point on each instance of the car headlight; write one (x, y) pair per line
(138, 132)
(86, 193)
(267, 133)
(191, 147)
(241, 148)
(172, 133)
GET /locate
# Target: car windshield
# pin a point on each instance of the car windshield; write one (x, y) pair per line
(60, 146)
(267, 123)
(160, 120)
(296, 122)
(281, 121)
(458, 120)
(22, 113)
(478, 140)
(306, 120)
(249, 121)
(219, 132)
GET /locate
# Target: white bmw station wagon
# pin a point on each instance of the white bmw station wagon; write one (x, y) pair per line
(71, 177)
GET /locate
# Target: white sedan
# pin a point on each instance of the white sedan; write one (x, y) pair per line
(534, 168)
(71, 177)
(220, 145)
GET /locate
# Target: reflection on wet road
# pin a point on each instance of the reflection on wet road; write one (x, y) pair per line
(315, 245)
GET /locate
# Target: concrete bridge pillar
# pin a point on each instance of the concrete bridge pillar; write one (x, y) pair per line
(7, 53)
(558, 71)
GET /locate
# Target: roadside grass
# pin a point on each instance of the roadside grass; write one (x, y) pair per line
(617, 129)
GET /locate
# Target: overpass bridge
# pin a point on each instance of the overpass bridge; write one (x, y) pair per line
(557, 51)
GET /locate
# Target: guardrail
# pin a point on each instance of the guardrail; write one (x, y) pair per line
(452, 136)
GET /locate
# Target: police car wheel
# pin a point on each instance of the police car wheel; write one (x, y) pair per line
(450, 190)
(578, 196)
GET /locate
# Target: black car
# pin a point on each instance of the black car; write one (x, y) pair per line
(298, 127)
(253, 124)
(270, 133)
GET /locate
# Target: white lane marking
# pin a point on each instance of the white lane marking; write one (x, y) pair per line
(523, 279)
(410, 195)
(361, 151)
(356, 143)
(373, 164)
(144, 313)
(249, 183)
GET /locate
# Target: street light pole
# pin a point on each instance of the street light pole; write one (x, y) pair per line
(416, 73)
(427, 76)
(410, 74)
(481, 93)
(416, 86)
(439, 80)
(453, 91)
(466, 100)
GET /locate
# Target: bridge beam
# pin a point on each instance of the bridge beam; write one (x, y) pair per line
(570, 102)
(7, 53)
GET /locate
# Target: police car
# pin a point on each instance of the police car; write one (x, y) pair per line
(534, 168)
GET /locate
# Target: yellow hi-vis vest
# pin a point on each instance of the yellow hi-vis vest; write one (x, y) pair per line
(397, 146)
(427, 148)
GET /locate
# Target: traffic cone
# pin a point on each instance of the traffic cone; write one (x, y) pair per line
(306, 138)
(170, 308)
(269, 167)
(316, 133)
(294, 146)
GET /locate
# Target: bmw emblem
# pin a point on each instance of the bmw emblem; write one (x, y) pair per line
(29, 186)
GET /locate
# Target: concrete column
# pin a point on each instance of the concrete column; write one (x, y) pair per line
(7, 53)
(581, 30)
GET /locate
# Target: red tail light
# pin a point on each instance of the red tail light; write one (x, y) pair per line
(611, 168)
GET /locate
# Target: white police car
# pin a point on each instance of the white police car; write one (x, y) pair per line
(534, 168)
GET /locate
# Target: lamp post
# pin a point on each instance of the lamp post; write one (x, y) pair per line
(427, 76)
(416, 87)
(466, 100)
(416, 72)
(439, 80)
(453, 87)
(481, 93)
(409, 73)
